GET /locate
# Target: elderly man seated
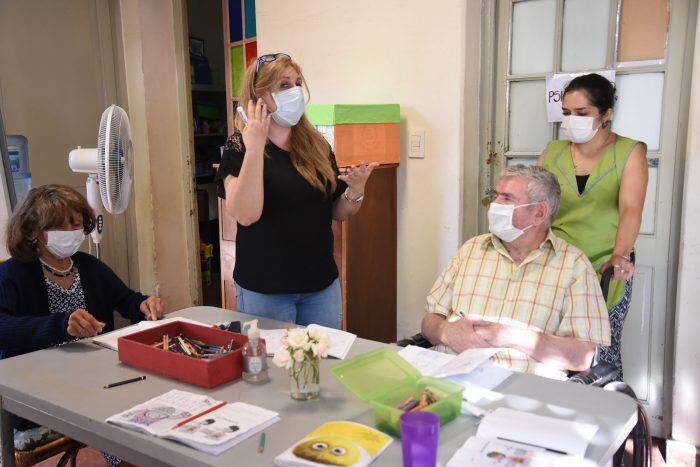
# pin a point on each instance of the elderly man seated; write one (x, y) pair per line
(520, 288)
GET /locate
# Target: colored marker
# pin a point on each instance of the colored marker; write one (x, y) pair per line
(261, 446)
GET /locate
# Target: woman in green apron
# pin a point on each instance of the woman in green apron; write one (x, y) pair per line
(603, 178)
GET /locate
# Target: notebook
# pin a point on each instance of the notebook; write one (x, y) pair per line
(479, 452)
(341, 341)
(110, 340)
(336, 443)
(537, 431)
(213, 431)
(440, 364)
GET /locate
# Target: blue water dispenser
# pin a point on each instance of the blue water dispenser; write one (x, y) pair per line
(18, 154)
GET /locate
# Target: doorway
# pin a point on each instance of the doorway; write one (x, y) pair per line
(208, 100)
(644, 42)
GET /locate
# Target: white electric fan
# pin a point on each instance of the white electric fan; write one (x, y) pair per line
(109, 168)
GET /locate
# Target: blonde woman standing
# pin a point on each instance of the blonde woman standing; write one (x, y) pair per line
(280, 181)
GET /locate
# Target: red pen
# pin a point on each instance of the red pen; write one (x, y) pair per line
(204, 412)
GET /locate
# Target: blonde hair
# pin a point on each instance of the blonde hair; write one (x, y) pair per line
(309, 150)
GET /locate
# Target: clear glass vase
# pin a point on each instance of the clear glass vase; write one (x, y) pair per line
(304, 379)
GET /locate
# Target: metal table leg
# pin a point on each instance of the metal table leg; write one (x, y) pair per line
(7, 438)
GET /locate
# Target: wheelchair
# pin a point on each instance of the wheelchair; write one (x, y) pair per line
(600, 374)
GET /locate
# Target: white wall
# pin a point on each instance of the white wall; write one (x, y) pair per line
(5, 211)
(151, 36)
(686, 385)
(56, 78)
(410, 52)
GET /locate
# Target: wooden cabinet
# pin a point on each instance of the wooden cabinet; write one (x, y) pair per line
(227, 248)
(365, 252)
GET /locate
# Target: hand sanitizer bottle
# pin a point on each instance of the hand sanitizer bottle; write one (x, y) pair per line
(254, 355)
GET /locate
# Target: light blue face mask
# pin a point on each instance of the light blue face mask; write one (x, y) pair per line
(290, 106)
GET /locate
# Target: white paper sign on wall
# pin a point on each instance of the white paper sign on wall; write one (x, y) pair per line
(556, 83)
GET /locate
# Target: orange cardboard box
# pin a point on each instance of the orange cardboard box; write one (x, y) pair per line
(369, 142)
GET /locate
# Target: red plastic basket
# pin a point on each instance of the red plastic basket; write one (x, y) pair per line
(137, 350)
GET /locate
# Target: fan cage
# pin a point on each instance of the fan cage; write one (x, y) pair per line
(114, 153)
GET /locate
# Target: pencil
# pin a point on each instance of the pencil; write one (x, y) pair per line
(261, 446)
(420, 406)
(126, 381)
(204, 412)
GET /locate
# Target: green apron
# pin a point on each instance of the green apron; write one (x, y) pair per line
(589, 220)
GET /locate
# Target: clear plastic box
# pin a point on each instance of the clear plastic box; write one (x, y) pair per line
(384, 379)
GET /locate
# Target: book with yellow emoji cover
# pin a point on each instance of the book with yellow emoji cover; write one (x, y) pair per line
(336, 443)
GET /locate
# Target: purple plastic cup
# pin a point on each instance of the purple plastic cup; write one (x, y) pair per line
(419, 438)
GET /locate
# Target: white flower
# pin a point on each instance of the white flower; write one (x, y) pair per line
(296, 338)
(299, 355)
(320, 349)
(282, 359)
(308, 343)
(317, 334)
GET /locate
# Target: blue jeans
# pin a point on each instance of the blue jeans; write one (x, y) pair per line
(323, 307)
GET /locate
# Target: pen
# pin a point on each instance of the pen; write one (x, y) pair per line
(242, 114)
(474, 409)
(126, 381)
(156, 292)
(261, 446)
(533, 445)
(203, 412)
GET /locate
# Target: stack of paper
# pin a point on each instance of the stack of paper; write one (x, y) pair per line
(480, 382)
(478, 452)
(196, 420)
(110, 340)
(273, 339)
(537, 431)
(440, 364)
(341, 341)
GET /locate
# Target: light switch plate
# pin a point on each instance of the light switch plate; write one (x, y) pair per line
(416, 144)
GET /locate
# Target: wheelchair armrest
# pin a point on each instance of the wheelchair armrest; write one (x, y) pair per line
(417, 339)
(605, 281)
(597, 375)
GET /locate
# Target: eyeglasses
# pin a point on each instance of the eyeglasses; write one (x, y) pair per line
(268, 58)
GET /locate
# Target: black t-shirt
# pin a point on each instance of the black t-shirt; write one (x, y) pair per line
(290, 248)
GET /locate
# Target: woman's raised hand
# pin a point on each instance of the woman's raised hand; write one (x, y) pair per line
(255, 132)
(356, 176)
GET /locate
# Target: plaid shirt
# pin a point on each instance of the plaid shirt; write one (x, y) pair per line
(554, 291)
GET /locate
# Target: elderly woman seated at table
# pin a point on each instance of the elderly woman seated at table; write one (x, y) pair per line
(50, 293)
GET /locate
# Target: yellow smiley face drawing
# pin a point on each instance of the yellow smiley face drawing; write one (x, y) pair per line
(329, 450)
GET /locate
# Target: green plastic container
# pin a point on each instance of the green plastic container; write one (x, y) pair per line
(384, 379)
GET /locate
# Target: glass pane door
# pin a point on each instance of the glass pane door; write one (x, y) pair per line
(638, 39)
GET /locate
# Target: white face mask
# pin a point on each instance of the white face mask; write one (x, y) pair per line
(290, 106)
(579, 129)
(64, 243)
(501, 221)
